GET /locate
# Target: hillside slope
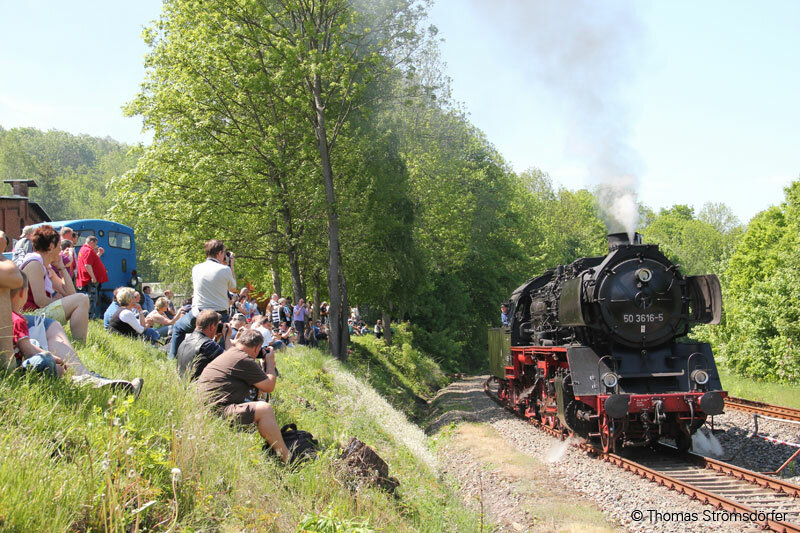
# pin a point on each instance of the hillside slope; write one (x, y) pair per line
(78, 459)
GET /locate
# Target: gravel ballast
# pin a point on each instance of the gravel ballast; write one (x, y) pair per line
(734, 431)
(626, 499)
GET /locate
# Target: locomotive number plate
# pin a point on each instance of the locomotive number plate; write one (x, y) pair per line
(642, 318)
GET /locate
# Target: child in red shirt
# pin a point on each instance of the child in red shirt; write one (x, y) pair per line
(28, 355)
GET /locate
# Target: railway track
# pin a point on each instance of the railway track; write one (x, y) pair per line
(763, 409)
(764, 500)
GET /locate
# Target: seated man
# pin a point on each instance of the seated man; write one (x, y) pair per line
(285, 334)
(321, 331)
(170, 313)
(227, 381)
(238, 322)
(263, 325)
(310, 335)
(198, 348)
(148, 305)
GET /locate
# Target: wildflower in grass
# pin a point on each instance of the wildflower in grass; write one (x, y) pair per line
(176, 475)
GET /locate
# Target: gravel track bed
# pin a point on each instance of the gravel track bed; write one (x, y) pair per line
(755, 453)
(489, 492)
(618, 493)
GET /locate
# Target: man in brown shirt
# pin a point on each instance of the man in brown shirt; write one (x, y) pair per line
(228, 379)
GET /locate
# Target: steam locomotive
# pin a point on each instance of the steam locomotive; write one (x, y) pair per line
(598, 348)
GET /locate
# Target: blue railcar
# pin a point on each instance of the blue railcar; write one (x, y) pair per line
(118, 242)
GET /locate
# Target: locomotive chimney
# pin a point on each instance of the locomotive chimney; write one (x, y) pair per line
(615, 240)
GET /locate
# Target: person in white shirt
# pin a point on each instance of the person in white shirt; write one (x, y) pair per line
(211, 281)
(125, 320)
(263, 325)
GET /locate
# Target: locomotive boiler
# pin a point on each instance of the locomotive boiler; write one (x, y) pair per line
(598, 348)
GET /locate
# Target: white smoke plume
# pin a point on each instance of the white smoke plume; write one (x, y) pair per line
(584, 52)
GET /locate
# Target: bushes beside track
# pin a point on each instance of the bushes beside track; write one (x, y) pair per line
(78, 458)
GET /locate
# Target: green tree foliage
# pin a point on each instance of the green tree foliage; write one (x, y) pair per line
(249, 103)
(700, 244)
(72, 171)
(761, 334)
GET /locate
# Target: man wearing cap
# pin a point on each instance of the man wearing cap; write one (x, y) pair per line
(23, 247)
(227, 382)
(505, 318)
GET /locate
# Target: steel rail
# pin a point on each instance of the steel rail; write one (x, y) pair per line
(764, 409)
(705, 496)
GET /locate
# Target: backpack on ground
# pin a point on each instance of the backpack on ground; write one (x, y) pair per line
(302, 444)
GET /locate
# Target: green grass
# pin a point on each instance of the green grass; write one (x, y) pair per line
(400, 372)
(78, 459)
(786, 395)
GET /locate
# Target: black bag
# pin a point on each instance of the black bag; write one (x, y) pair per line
(302, 444)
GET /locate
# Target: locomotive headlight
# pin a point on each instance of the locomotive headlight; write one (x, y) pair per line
(644, 275)
(609, 379)
(700, 377)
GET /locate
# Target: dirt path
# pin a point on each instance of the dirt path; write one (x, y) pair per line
(512, 489)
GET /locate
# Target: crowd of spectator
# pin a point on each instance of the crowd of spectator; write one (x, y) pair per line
(220, 338)
(43, 300)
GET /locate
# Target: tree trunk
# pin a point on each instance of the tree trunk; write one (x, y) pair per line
(294, 268)
(317, 301)
(275, 265)
(338, 334)
(386, 319)
(291, 252)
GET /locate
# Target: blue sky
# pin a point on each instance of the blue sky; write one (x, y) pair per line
(703, 95)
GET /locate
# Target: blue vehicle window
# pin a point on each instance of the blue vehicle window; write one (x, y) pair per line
(119, 240)
(83, 234)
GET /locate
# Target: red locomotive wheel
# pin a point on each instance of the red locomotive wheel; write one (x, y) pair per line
(607, 438)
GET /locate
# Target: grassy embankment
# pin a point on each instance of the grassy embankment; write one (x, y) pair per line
(77, 459)
(403, 375)
(410, 380)
(787, 395)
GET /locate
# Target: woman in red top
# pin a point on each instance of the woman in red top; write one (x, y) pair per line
(50, 295)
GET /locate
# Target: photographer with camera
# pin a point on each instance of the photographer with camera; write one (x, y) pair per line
(211, 281)
(228, 380)
(199, 348)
